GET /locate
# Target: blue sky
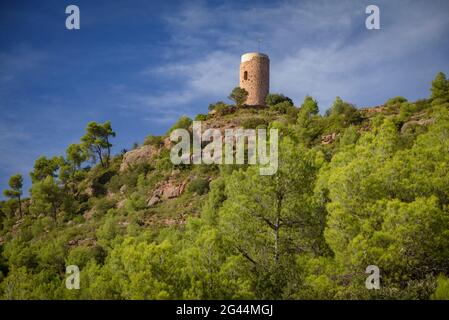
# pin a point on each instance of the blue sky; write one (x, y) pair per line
(142, 64)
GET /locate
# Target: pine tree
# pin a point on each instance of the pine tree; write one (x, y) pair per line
(16, 184)
(440, 87)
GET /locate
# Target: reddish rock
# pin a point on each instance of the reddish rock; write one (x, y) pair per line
(422, 122)
(88, 214)
(166, 190)
(327, 139)
(140, 155)
(153, 201)
(121, 204)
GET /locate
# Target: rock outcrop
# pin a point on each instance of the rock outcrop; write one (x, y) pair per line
(411, 123)
(140, 155)
(166, 190)
(329, 138)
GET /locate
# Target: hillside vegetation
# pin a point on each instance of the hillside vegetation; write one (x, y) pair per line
(355, 187)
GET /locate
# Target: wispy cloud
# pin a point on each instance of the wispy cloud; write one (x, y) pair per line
(317, 48)
(208, 78)
(19, 62)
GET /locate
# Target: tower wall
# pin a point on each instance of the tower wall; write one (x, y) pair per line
(255, 77)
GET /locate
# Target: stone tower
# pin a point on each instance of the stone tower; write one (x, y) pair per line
(255, 77)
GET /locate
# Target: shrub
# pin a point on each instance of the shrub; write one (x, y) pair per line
(350, 136)
(212, 106)
(422, 104)
(199, 186)
(253, 123)
(183, 123)
(239, 96)
(442, 290)
(221, 108)
(341, 115)
(201, 117)
(274, 98)
(440, 87)
(102, 205)
(109, 230)
(101, 177)
(406, 110)
(395, 100)
(80, 256)
(155, 141)
(284, 107)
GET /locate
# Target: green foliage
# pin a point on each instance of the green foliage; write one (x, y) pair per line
(341, 115)
(253, 123)
(96, 142)
(183, 122)
(44, 167)
(99, 179)
(273, 99)
(80, 256)
(128, 179)
(212, 106)
(199, 186)
(70, 172)
(9, 209)
(201, 117)
(309, 107)
(276, 213)
(440, 87)
(442, 290)
(310, 124)
(239, 96)
(76, 155)
(155, 141)
(377, 215)
(378, 194)
(109, 230)
(16, 184)
(220, 108)
(214, 202)
(46, 197)
(344, 110)
(395, 100)
(350, 136)
(406, 110)
(102, 205)
(21, 284)
(283, 107)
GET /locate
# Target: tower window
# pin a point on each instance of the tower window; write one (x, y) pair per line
(245, 75)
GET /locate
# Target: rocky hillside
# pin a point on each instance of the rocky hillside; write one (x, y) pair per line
(141, 227)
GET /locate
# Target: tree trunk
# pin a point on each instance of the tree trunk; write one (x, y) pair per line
(100, 156)
(20, 207)
(277, 226)
(109, 151)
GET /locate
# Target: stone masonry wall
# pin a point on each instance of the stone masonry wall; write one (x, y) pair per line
(257, 83)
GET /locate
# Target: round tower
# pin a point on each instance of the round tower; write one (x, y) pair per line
(255, 77)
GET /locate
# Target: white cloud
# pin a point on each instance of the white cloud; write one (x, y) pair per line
(209, 78)
(317, 48)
